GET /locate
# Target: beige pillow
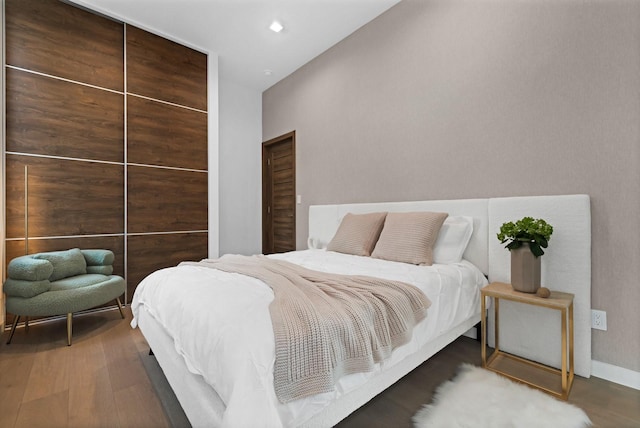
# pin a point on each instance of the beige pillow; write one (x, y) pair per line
(409, 237)
(357, 234)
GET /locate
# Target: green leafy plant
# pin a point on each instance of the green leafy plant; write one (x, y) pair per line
(535, 232)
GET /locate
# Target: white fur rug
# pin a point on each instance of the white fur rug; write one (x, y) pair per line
(478, 398)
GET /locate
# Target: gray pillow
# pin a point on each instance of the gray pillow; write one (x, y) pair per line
(65, 263)
(357, 234)
(409, 237)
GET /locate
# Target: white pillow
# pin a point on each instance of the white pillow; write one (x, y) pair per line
(453, 239)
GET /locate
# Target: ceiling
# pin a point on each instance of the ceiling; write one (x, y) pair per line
(238, 30)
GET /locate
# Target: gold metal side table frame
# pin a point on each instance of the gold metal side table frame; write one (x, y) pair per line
(557, 300)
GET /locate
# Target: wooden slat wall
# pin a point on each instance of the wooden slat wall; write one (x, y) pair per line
(165, 135)
(163, 70)
(167, 132)
(55, 38)
(48, 116)
(65, 121)
(165, 200)
(66, 197)
(66, 102)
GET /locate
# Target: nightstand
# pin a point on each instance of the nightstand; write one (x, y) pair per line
(556, 382)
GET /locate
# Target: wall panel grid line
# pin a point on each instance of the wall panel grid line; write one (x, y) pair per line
(34, 155)
(173, 232)
(13, 67)
(98, 235)
(167, 103)
(175, 168)
(125, 158)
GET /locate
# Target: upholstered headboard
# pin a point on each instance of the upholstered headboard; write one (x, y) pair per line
(524, 330)
(325, 219)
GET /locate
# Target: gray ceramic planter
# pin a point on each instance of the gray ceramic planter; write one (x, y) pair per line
(525, 270)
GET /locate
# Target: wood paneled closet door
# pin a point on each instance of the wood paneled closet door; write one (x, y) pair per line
(64, 153)
(167, 169)
(279, 194)
(103, 151)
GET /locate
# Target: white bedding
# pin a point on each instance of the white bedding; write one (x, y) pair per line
(221, 326)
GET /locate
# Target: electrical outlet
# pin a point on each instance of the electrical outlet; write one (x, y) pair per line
(598, 319)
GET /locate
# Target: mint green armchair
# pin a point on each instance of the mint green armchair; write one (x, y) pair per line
(61, 282)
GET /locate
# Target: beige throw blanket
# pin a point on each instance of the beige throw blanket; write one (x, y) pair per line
(328, 325)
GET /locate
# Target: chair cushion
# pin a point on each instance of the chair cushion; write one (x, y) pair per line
(78, 281)
(98, 257)
(29, 269)
(67, 300)
(65, 263)
(103, 270)
(26, 289)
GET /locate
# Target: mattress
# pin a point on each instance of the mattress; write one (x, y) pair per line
(220, 328)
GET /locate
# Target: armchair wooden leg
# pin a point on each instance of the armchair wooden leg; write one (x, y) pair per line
(13, 328)
(120, 307)
(69, 327)
(26, 323)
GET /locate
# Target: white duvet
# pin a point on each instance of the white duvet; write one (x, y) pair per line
(221, 326)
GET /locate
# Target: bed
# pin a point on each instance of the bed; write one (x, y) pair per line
(235, 388)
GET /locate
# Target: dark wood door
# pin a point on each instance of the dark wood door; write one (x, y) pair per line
(279, 194)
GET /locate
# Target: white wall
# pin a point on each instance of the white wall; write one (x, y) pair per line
(213, 155)
(240, 191)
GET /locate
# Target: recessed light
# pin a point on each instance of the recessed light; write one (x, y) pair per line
(276, 27)
(268, 72)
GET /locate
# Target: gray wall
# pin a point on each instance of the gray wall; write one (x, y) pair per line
(240, 169)
(456, 99)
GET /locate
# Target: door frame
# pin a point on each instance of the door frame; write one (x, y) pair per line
(265, 188)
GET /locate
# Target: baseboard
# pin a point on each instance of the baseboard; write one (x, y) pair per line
(615, 374)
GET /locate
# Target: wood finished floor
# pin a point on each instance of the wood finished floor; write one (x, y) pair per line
(107, 379)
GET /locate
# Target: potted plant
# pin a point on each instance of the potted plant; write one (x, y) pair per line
(525, 240)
